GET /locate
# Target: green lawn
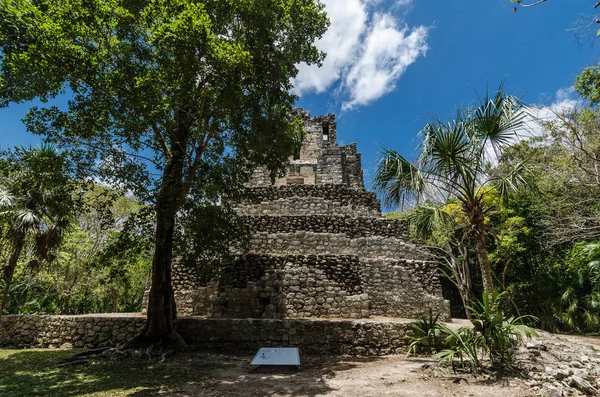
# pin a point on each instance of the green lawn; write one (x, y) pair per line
(34, 372)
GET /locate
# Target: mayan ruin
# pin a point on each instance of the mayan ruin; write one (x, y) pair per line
(320, 247)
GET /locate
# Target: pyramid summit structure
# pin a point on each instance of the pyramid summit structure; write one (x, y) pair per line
(320, 247)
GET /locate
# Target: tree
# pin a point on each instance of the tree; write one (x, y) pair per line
(454, 163)
(93, 254)
(37, 204)
(169, 98)
(541, 234)
(442, 229)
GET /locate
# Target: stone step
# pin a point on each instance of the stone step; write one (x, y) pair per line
(352, 227)
(306, 206)
(307, 243)
(309, 199)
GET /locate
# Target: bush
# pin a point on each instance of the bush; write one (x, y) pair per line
(428, 335)
(493, 337)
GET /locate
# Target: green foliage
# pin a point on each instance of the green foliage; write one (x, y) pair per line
(38, 205)
(462, 345)
(428, 336)
(100, 265)
(539, 255)
(494, 336)
(572, 297)
(149, 79)
(593, 253)
(454, 164)
(587, 84)
(175, 101)
(499, 334)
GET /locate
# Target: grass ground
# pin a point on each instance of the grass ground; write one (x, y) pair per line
(35, 372)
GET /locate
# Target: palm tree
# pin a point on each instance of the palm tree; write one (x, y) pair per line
(37, 202)
(454, 162)
(437, 227)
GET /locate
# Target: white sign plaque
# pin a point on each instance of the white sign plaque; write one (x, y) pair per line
(277, 356)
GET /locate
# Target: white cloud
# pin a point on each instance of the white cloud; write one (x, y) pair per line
(348, 20)
(402, 3)
(367, 52)
(565, 100)
(386, 54)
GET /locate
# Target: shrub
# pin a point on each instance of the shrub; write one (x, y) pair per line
(428, 335)
(493, 337)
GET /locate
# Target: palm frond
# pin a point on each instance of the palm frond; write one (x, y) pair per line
(498, 119)
(513, 181)
(6, 199)
(26, 219)
(397, 179)
(450, 151)
(426, 219)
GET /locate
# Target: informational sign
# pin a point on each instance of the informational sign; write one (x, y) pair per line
(277, 356)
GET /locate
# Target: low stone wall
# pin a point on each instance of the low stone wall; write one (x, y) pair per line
(352, 227)
(68, 331)
(340, 195)
(361, 337)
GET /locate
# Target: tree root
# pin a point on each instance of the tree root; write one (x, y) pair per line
(141, 345)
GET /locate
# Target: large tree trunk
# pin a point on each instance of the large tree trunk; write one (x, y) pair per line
(160, 326)
(9, 268)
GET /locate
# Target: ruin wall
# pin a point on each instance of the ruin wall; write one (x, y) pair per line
(360, 337)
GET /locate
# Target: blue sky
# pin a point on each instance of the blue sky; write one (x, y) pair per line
(391, 64)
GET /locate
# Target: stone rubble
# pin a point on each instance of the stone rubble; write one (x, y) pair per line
(558, 368)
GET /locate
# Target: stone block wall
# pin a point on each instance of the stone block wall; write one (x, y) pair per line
(351, 227)
(88, 331)
(306, 206)
(330, 286)
(330, 167)
(307, 243)
(361, 337)
(358, 338)
(320, 160)
(271, 286)
(305, 200)
(315, 128)
(352, 166)
(403, 288)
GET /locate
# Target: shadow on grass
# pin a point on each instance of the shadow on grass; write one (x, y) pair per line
(35, 372)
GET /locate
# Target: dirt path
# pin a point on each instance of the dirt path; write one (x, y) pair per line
(347, 377)
(397, 376)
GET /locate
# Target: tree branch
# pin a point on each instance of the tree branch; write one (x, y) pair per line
(161, 140)
(532, 4)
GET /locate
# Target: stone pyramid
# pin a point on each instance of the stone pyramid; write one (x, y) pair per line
(320, 247)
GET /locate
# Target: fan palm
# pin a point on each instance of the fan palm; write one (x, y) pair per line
(436, 225)
(36, 205)
(453, 163)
